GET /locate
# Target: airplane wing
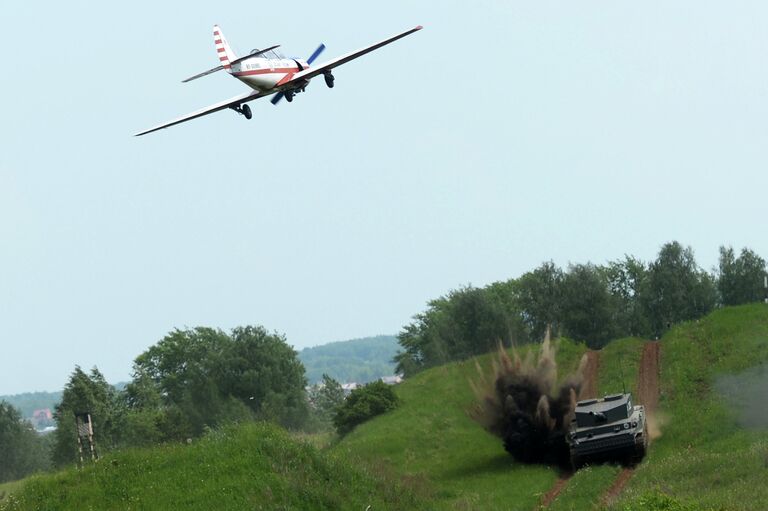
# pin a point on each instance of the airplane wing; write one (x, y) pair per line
(327, 66)
(237, 100)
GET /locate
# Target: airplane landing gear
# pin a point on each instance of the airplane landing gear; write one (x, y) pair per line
(243, 110)
(329, 80)
(289, 96)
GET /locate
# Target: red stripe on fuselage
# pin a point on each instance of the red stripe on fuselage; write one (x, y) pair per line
(266, 71)
(217, 41)
(286, 78)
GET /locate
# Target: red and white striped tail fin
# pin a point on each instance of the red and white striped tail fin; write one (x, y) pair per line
(225, 53)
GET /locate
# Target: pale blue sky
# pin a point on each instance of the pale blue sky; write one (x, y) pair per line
(502, 135)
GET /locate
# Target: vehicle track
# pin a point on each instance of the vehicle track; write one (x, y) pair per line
(648, 396)
(588, 390)
(591, 371)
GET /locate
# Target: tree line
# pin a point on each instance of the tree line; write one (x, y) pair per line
(189, 382)
(586, 302)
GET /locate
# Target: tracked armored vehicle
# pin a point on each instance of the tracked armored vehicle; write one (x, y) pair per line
(608, 429)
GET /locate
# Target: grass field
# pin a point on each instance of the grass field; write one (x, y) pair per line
(6, 489)
(428, 454)
(703, 458)
(431, 437)
(254, 466)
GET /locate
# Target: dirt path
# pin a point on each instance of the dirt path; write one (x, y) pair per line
(553, 492)
(647, 395)
(588, 391)
(592, 369)
(621, 481)
(648, 377)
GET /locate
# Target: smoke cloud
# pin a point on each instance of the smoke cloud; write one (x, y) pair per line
(523, 404)
(745, 394)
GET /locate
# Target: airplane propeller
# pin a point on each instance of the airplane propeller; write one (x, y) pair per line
(277, 97)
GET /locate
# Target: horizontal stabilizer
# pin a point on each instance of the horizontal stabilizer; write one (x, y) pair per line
(236, 61)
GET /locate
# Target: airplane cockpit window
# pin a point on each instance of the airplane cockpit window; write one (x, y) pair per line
(272, 54)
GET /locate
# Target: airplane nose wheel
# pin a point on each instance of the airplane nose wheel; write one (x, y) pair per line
(329, 80)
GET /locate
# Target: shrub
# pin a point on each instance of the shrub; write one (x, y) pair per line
(364, 403)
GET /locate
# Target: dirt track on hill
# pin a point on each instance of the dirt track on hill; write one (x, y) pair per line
(648, 377)
(647, 395)
(588, 390)
(591, 371)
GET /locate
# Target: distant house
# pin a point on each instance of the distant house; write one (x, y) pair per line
(43, 414)
(42, 419)
(392, 380)
(349, 387)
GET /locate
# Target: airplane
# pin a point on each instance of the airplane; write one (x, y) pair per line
(267, 73)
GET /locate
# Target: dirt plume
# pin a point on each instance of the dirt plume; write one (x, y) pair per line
(523, 404)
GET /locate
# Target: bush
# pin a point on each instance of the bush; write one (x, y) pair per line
(364, 403)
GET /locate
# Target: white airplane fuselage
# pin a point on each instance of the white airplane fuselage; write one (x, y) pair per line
(265, 74)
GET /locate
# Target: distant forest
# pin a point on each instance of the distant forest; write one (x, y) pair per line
(358, 360)
(28, 402)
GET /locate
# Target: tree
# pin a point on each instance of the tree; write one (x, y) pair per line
(626, 280)
(740, 279)
(22, 451)
(86, 393)
(587, 310)
(541, 298)
(264, 372)
(676, 289)
(468, 321)
(364, 403)
(325, 399)
(204, 377)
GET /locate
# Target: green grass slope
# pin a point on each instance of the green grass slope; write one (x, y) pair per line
(254, 466)
(704, 458)
(430, 438)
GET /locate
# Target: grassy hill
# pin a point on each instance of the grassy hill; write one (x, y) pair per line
(254, 466)
(703, 456)
(428, 454)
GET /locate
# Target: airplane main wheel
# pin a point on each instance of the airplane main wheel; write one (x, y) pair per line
(247, 112)
(329, 80)
(289, 96)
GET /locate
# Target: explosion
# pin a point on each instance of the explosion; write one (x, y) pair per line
(525, 407)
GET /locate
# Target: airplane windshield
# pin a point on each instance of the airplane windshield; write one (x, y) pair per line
(272, 54)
